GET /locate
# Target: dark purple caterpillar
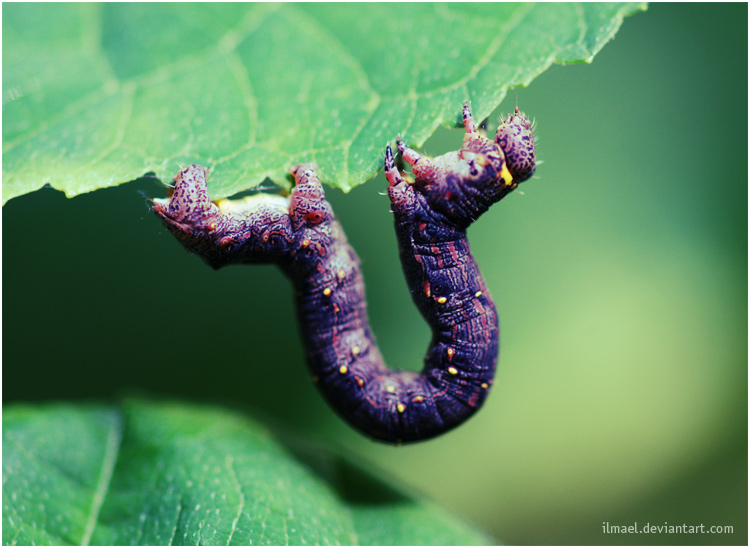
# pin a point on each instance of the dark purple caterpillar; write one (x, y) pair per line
(432, 214)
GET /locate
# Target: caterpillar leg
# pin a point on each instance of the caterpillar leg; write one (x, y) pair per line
(477, 150)
(189, 206)
(401, 193)
(391, 171)
(411, 156)
(307, 204)
(469, 125)
(424, 169)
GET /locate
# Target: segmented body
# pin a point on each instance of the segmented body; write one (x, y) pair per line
(431, 216)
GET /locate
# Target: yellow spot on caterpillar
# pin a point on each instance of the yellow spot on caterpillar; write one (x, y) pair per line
(427, 289)
(355, 350)
(336, 308)
(453, 371)
(342, 274)
(305, 242)
(360, 381)
(485, 385)
(327, 292)
(343, 369)
(505, 174)
(442, 300)
(481, 160)
(390, 388)
(478, 294)
(401, 407)
(212, 226)
(417, 399)
(451, 353)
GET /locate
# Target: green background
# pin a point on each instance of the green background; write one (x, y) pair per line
(620, 273)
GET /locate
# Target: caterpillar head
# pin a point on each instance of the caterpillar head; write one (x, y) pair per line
(459, 186)
(516, 139)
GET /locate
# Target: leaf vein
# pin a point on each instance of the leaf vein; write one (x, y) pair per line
(481, 63)
(91, 99)
(119, 136)
(242, 76)
(112, 451)
(230, 466)
(317, 29)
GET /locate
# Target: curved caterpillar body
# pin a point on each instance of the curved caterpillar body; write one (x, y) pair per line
(432, 214)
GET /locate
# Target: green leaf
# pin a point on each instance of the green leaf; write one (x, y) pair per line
(166, 473)
(97, 95)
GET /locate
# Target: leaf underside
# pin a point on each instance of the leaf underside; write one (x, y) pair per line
(149, 473)
(98, 95)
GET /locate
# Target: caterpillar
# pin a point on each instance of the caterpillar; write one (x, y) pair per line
(432, 213)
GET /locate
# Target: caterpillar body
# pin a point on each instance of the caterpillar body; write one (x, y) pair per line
(302, 236)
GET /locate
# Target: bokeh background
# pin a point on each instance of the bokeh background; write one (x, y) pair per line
(620, 273)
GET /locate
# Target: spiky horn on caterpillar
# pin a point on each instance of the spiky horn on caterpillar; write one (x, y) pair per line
(302, 236)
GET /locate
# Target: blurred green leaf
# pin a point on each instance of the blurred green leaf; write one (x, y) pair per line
(97, 95)
(164, 473)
